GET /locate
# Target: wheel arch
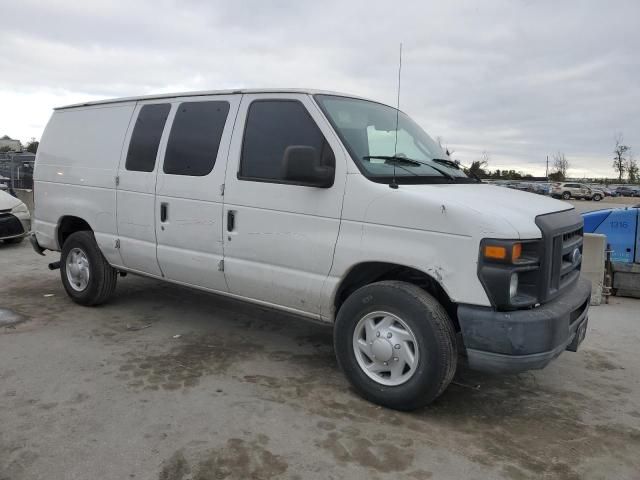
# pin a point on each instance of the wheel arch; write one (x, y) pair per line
(69, 224)
(366, 273)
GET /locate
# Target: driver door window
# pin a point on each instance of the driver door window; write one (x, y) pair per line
(271, 127)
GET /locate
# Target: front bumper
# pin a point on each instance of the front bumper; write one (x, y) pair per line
(507, 342)
(12, 226)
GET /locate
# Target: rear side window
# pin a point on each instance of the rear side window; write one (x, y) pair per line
(195, 138)
(143, 146)
(271, 127)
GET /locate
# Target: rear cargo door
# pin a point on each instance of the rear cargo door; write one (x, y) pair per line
(189, 190)
(136, 182)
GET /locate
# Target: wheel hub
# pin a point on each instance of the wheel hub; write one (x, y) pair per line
(77, 267)
(385, 348)
(382, 350)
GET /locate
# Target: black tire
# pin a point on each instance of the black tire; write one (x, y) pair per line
(566, 195)
(13, 241)
(596, 198)
(433, 330)
(102, 278)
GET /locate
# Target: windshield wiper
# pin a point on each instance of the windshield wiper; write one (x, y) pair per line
(448, 163)
(452, 164)
(396, 159)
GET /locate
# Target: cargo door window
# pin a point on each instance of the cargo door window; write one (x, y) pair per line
(145, 138)
(195, 138)
(271, 127)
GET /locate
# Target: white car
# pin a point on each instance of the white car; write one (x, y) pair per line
(15, 220)
(320, 204)
(568, 190)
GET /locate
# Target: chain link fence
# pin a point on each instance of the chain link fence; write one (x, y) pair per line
(16, 171)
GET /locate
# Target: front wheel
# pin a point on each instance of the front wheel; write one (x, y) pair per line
(597, 198)
(566, 195)
(396, 345)
(86, 275)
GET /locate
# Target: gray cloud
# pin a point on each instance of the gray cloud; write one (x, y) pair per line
(520, 79)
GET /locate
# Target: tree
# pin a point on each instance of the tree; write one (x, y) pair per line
(561, 165)
(5, 149)
(619, 157)
(477, 168)
(632, 170)
(555, 177)
(32, 145)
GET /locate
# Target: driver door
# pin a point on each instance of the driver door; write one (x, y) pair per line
(280, 236)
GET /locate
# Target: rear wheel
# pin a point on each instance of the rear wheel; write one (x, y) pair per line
(566, 195)
(86, 275)
(395, 344)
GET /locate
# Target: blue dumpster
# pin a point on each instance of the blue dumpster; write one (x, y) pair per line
(620, 225)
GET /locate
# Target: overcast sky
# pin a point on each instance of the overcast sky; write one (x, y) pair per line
(520, 79)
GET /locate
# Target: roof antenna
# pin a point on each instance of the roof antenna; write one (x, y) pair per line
(394, 183)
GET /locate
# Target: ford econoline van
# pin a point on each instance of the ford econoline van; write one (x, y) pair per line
(320, 204)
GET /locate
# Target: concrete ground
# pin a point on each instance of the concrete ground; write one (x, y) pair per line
(171, 384)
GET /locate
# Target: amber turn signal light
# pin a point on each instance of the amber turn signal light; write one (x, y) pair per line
(516, 251)
(495, 252)
(501, 252)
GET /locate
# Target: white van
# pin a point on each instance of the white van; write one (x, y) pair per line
(320, 204)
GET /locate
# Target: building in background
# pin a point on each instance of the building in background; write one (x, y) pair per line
(8, 143)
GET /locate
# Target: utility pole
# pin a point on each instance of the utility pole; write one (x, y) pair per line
(547, 175)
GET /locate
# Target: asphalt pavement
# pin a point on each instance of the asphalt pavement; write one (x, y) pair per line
(172, 384)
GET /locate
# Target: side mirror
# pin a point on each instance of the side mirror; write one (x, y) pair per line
(301, 164)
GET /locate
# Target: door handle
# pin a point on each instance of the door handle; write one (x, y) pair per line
(164, 211)
(231, 220)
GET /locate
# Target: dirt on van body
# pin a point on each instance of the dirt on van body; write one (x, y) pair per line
(172, 384)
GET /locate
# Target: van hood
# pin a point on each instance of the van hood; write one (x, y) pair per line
(471, 210)
(7, 202)
(517, 208)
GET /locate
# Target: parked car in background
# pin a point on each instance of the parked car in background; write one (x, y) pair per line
(608, 192)
(15, 220)
(542, 188)
(568, 190)
(596, 194)
(628, 191)
(526, 187)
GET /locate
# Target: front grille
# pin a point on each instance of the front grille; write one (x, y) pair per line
(561, 256)
(10, 226)
(566, 266)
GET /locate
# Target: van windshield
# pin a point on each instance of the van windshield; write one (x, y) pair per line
(368, 131)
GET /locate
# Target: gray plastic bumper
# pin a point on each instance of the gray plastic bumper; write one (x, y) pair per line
(502, 342)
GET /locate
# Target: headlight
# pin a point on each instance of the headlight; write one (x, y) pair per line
(21, 208)
(509, 271)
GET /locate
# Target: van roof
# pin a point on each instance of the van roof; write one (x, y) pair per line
(206, 93)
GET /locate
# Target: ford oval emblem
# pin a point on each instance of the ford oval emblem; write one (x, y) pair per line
(576, 256)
